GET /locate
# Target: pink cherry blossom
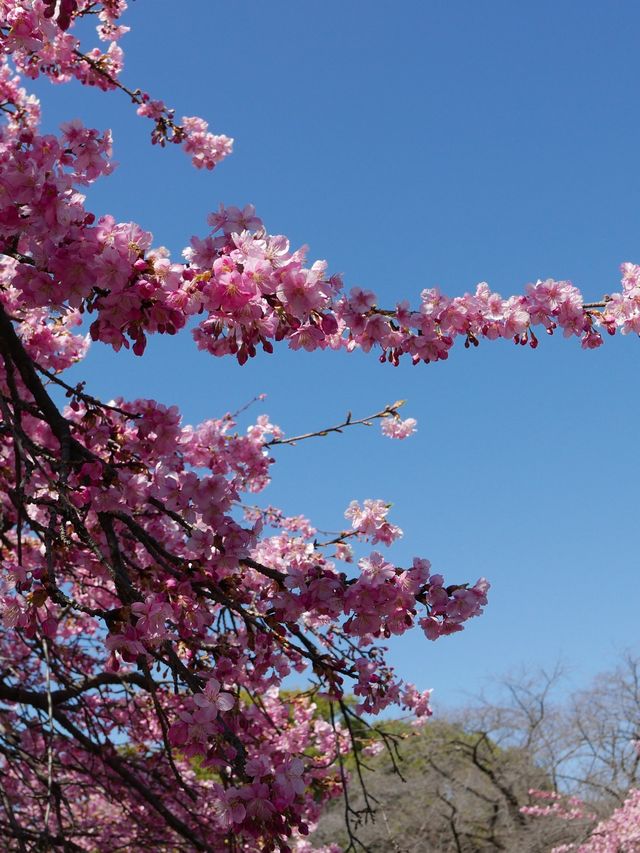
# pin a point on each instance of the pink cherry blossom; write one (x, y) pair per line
(397, 428)
(370, 521)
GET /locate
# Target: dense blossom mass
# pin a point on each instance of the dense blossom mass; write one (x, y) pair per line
(149, 612)
(619, 833)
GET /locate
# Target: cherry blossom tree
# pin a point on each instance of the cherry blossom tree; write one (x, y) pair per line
(149, 615)
(619, 833)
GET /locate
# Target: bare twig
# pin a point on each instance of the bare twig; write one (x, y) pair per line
(388, 412)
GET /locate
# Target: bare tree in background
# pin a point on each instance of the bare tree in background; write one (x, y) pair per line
(469, 772)
(586, 743)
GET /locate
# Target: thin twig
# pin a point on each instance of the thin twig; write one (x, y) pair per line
(388, 412)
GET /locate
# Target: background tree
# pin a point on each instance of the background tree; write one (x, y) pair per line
(586, 742)
(529, 769)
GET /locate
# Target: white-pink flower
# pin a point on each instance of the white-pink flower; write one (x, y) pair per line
(397, 428)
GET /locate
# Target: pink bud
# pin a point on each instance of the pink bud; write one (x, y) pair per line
(140, 345)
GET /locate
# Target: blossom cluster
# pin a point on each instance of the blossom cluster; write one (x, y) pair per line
(619, 833)
(38, 35)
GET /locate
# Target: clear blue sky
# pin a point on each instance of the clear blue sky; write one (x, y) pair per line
(414, 144)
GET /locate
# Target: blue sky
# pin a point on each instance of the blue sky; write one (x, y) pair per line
(415, 145)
